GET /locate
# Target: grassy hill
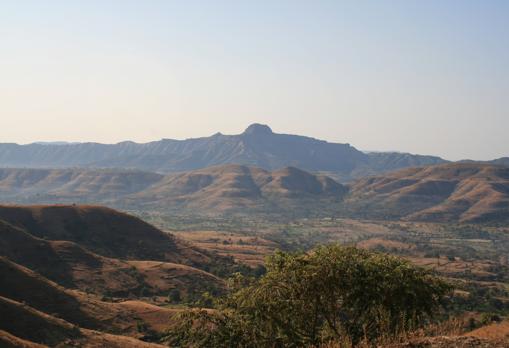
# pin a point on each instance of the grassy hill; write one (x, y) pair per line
(465, 192)
(69, 270)
(220, 189)
(234, 188)
(24, 326)
(104, 231)
(73, 266)
(23, 285)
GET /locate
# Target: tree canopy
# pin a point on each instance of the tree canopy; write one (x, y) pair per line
(333, 293)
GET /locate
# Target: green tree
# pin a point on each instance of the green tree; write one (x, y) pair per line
(331, 294)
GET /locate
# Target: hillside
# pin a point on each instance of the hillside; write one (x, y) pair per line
(234, 188)
(24, 326)
(71, 185)
(69, 270)
(465, 192)
(212, 190)
(23, 285)
(104, 231)
(75, 267)
(256, 146)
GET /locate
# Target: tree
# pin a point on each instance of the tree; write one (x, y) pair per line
(334, 293)
(174, 296)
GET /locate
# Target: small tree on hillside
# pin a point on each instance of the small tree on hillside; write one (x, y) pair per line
(174, 296)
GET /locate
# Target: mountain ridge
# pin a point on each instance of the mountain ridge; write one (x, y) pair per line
(466, 192)
(257, 146)
(234, 185)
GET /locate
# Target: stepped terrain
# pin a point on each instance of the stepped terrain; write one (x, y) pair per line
(89, 276)
(464, 192)
(219, 189)
(451, 192)
(257, 146)
(234, 188)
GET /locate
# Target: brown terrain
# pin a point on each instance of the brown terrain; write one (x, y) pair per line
(249, 250)
(92, 276)
(231, 188)
(25, 286)
(453, 192)
(24, 326)
(464, 192)
(214, 190)
(104, 231)
(74, 275)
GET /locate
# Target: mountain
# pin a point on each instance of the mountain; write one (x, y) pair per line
(503, 161)
(256, 146)
(465, 192)
(381, 162)
(468, 192)
(235, 188)
(213, 190)
(71, 185)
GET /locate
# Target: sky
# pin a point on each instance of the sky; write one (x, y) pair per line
(428, 77)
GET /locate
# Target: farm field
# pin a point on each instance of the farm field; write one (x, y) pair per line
(473, 257)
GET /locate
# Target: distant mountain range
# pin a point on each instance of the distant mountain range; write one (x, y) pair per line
(256, 172)
(256, 146)
(451, 192)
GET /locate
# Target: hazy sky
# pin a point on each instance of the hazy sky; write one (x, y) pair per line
(429, 77)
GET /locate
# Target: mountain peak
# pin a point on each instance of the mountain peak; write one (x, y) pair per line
(258, 129)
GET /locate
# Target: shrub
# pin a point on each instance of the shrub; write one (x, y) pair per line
(332, 294)
(174, 296)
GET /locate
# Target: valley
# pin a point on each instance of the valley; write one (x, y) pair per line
(103, 283)
(254, 174)
(125, 256)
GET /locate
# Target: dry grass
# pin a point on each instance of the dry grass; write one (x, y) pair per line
(25, 323)
(10, 341)
(245, 249)
(479, 268)
(492, 331)
(388, 244)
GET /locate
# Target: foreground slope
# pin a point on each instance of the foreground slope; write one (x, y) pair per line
(23, 285)
(73, 266)
(104, 231)
(465, 192)
(24, 326)
(61, 265)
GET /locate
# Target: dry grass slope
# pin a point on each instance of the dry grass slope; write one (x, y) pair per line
(24, 326)
(104, 231)
(464, 192)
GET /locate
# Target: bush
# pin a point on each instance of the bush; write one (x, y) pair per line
(174, 296)
(332, 294)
